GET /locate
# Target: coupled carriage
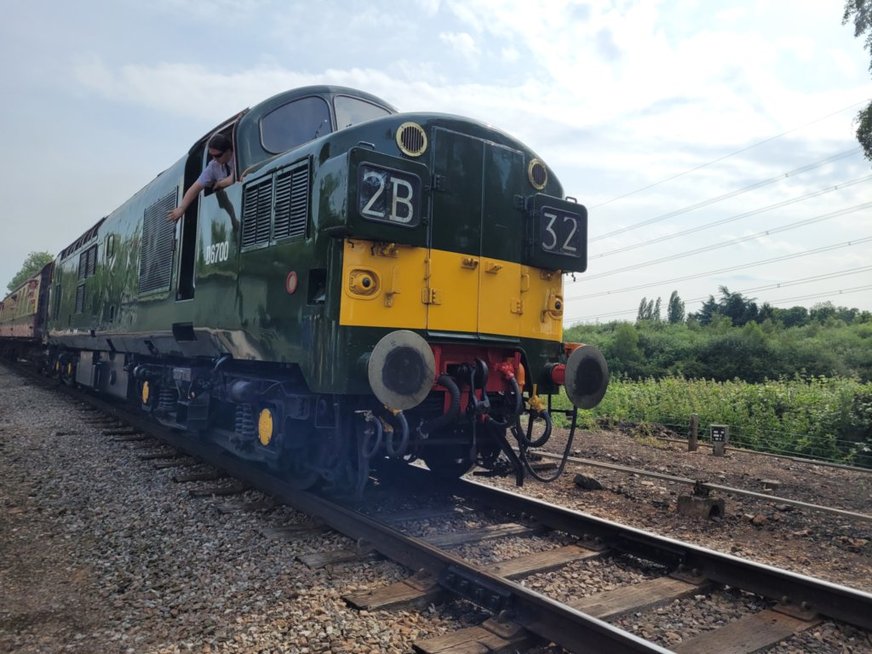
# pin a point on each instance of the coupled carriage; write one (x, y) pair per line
(374, 286)
(23, 314)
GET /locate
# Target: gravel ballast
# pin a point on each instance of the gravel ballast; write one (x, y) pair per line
(100, 552)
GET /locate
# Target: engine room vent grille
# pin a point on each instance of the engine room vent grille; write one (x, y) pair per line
(292, 202)
(158, 235)
(88, 263)
(80, 298)
(276, 208)
(256, 210)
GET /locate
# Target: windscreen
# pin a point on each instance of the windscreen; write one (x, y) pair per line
(295, 123)
(350, 111)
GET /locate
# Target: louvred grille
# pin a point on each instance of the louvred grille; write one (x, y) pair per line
(158, 236)
(292, 202)
(284, 206)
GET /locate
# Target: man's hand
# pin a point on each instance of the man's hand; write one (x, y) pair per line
(174, 215)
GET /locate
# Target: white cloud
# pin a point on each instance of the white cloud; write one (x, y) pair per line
(463, 44)
(429, 7)
(615, 96)
(510, 54)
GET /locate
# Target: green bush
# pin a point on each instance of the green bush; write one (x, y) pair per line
(754, 352)
(821, 417)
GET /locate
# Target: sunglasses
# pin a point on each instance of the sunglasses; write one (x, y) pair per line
(217, 155)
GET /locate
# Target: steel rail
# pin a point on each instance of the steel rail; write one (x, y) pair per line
(833, 600)
(844, 513)
(539, 614)
(549, 619)
(776, 455)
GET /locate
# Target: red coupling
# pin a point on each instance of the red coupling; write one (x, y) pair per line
(558, 374)
(506, 369)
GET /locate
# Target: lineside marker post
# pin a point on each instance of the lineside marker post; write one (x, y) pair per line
(720, 436)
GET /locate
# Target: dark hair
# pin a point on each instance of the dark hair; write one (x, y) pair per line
(220, 142)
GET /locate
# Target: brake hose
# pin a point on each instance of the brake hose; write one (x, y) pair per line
(522, 451)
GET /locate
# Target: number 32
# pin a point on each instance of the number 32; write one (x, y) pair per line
(551, 238)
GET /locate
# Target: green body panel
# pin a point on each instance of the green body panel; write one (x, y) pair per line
(458, 209)
(475, 212)
(217, 299)
(113, 304)
(502, 221)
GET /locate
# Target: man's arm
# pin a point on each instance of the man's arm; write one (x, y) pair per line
(192, 192)
(224, 183)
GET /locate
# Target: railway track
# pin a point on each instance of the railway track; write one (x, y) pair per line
(709, 486)
(521, 616)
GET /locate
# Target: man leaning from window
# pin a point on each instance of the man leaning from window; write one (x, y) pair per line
(219, 173)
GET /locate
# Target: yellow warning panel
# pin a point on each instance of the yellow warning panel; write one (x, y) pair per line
(382, 284)
(542, 293)
(452, 292)
(405, 287)
(501, 304)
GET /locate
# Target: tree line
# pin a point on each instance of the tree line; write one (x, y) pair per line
(732, 337)
(34, 262)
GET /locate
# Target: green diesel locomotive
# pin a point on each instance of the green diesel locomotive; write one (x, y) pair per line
(376, 285)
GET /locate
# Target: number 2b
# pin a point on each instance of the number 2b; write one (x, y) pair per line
(398, 199)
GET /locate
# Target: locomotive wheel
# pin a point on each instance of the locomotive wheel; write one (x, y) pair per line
(301, 461)
(449, 461)
(301, 476)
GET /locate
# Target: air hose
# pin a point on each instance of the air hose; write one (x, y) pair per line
(449, 416)
(525, 439)
(396, 451)
(522, 452)
(372, 436)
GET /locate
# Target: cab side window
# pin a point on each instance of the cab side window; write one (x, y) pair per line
(294, 123)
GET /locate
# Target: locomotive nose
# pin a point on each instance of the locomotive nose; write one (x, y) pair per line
(401, 369)
(587, 377)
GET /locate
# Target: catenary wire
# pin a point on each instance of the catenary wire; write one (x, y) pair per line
(821, 294)
(735, 241)
(729, 194)
(843, 291)
(785, 257)
(794, 282)
(731, 154)
(746, 214)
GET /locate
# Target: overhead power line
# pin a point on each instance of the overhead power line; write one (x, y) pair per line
(730, 194)
(844, 291)
(610, 314)
(735, 241)
(736, 217)
(786, 257)
(731, 154)
(795, 282)
(798, 298)
(824, 294)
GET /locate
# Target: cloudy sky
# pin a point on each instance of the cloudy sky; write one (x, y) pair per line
(711, 142)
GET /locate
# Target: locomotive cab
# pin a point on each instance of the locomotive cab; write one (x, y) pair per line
(459, 234)
(415, 260)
